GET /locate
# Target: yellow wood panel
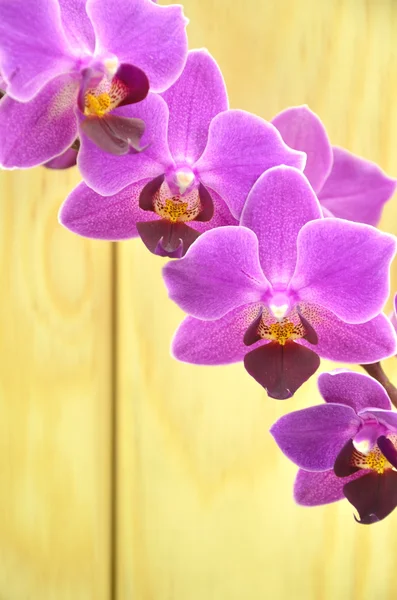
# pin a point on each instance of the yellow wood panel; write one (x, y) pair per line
(55, 397)
(205, 497)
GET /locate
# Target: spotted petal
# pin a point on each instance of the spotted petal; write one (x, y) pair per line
(344, 267)
(193, 101)
(142, 33)
(356, 390)
(36, 131)
(33, 48)
(313, 488)
(313, 437)
(221, 271)
(240, 147)
(278, 206)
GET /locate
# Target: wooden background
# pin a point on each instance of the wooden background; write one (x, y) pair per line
(124, 474)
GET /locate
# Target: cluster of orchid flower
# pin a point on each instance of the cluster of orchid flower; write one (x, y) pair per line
(278, 262)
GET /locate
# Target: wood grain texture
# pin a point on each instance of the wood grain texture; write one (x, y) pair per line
(55, 397)
(205, 508)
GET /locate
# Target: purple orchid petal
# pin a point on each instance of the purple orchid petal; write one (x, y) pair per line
(136, 82)
(220, 272)
(108, 174)
(240, 147)
(148, 192)
(104, 217)
(221, 215)
(313, 488)
(167, 239)
(344, 465)
(374, 496)
(277, 207)
(64, 161)
(356, 390)
(193, 101)
(33, 49)
(344, 267)
(218, 342)
(356, 189)
(393, 316)
(301, 129)
(343, 342)
(3, 84)
(387, 418)
(141, 33)
(313, 437)
(114, 134)
(281, 370)
(36, 131)
(77, 25)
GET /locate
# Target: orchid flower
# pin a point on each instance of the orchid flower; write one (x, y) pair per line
(288, 283)
(69, 63)
(198, 167)
(346, 185)
(346, 448)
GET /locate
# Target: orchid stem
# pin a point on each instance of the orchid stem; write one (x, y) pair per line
(375, 370)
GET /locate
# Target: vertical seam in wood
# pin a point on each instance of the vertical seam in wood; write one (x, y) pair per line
(113, 424)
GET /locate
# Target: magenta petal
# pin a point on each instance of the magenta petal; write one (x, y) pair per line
(114, 134)
(141, 33)
(64, 161)
(313, 437)
(33, 49)
(387, 418)
(103, 217)
(388, 450)
(167, 239)
(322, 487)
(281, 370)
(136, 82)
(374, 496)
(193, 101)
(301, 129)
(360, 343)
(108, 174)
(356, 189)
(220, 272)
(77, 25)
(221, 214)
(344, 267)
(241, 146)
(36, 131)
(356, 390)
(218, 342)
(279, 204)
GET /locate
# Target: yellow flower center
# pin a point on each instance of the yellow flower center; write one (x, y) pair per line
(374, 460)
(281, 331)
(175, 208)
(97, 105)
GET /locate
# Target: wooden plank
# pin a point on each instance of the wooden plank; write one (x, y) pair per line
(55, 397)
(205, 505)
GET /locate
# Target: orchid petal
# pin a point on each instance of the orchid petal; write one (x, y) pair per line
(221, 271)
(313, 437)
(302, 129)
(344, 267)
(313, 488)
(221, 216)
(193, 101)
(217, 342)
(358, 343)
(385, 417)
(241, 146)
(33, 48)
(76, 24)
(279, 204)
(142, 33)
(374, 496)
(104, 217)
(356, 390)
(167, 239)
(64, 161)
(356, 189)
(108, 174)
(36, 131)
